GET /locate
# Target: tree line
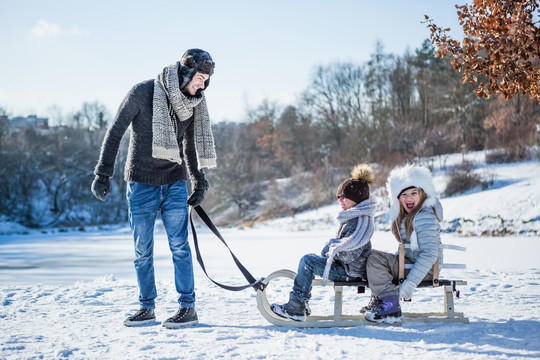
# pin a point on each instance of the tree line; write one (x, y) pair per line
(388, 110)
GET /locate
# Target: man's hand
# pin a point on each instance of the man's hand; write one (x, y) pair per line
(196, 198)
(101, 187)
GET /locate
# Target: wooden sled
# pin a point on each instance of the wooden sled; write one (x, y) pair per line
(338, 319)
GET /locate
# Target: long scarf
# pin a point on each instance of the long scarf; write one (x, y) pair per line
(170, 105)
(361, 235)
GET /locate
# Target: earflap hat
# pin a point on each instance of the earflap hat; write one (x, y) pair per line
(193, 61)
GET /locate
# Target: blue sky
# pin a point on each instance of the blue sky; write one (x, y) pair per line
(56, 55)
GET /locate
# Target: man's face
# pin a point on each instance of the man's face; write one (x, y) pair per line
(196, 83)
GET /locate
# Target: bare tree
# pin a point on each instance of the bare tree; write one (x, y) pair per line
(4, 125)
(95, 114)
(513, 125)
(297, 140)
(335, 98)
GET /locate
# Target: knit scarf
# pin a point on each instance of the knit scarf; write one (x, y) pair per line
(171, 105)
(361, 235)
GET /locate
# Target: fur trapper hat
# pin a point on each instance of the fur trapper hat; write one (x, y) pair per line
(357, 187)
(193, 61)
(406, 177)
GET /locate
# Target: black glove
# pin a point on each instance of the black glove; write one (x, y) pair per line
(196, 198)
(101, 187)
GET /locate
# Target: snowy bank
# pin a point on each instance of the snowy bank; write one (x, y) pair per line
(46, 313)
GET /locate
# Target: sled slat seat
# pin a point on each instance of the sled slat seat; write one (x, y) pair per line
(423, 284)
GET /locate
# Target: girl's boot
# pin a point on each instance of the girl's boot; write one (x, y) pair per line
(388, 312)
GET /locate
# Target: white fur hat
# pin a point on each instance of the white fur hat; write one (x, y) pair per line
(407, 176)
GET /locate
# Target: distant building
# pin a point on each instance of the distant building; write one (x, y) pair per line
(29, 122)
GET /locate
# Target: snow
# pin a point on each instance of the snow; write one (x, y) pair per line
(65, 294)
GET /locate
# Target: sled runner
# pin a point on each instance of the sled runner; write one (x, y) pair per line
(338, 319)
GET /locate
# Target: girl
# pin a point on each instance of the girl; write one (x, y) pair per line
(415, 213)
(344, 257)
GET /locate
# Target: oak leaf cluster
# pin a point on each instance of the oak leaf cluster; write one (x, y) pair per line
(500, 50)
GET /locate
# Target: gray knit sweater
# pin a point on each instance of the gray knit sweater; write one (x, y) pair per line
(136, 110)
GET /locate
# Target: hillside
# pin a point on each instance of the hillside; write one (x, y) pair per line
(509, 205)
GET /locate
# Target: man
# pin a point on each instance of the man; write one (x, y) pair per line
(171, 141)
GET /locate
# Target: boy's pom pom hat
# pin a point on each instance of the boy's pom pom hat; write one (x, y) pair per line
(406, 177)
(357, 187)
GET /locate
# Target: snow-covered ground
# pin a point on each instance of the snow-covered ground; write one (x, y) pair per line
(65, 294)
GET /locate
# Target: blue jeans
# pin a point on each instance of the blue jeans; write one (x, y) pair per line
(145, 201)
(311, 265)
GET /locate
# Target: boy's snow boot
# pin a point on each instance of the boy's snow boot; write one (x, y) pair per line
(374, 303)
(141, 317)
(184, 316)
(294, 309)
(389, 311)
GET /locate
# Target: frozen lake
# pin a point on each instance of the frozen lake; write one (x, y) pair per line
(63, 258)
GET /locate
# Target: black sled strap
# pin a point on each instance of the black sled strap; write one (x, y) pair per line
(255, 284)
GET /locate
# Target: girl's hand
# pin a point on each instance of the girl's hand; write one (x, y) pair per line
(406, 289)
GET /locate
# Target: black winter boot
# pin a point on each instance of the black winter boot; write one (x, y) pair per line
(294, 309)
(374, 303)
(184, 316)
(141, 317)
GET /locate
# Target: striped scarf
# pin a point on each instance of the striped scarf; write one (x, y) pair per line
(171, 105)
(361, 235)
